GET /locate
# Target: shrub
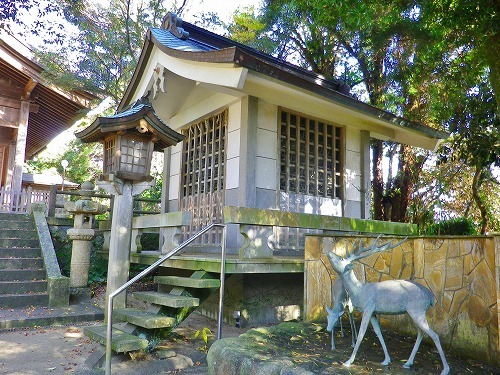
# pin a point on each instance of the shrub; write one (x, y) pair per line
(460, 226)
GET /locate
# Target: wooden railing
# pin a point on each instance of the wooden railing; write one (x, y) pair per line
(21, 202)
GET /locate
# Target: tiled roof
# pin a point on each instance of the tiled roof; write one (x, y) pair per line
(166, 38)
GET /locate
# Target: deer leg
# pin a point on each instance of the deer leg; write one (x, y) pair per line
(421, 322)
(362, 329)
(354, 334)
(378, 332)
(333, 339)
(341, 327)
(409, 362)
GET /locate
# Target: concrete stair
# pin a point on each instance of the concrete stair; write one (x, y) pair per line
(23, 279)
(122, 341)
(165, 311)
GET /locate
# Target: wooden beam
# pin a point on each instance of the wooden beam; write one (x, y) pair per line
(28, 89)
(16, 104)
(8, 124)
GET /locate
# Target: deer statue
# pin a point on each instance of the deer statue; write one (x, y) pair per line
(385, 297)
(341, 303)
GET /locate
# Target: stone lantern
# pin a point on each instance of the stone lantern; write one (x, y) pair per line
(82, 235)
(129, 139)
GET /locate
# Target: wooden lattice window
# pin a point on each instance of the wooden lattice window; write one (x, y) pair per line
(310, 158)
(134, 155)
(203, 170)
(109, 157)
(310, 173)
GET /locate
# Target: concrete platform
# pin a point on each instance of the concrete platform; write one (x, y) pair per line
(234, 265)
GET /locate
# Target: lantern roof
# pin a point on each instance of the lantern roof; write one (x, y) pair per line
(139, 118)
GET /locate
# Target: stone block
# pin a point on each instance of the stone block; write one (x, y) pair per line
(383, 263)
(396, 263)
(58, 291)
(470, 339)
(454, 246)
(419, 257)
(312, 249)
(454, 273)
(479, 312)
(372, 275)
(458, 299)
(481, 283)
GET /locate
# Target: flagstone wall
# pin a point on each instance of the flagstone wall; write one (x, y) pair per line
(462, 272)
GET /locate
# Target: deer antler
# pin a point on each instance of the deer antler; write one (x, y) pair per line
(364, 252)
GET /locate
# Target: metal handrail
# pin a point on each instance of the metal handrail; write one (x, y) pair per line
(152, 267)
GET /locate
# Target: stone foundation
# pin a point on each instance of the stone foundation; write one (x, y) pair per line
(258, 299)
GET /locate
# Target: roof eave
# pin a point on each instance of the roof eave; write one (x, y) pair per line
(103, 125)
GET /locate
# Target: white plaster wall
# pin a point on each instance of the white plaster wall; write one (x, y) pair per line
(353, 164)
(233, 146)
(267, 146)
(175, 169)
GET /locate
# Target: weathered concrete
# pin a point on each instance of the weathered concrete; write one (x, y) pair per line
(256, 227)
(58, 285)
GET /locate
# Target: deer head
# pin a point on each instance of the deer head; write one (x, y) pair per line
(333, 317)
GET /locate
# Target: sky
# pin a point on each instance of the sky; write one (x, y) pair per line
(223, 8)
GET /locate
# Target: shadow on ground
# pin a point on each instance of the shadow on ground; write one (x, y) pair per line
(301, 348)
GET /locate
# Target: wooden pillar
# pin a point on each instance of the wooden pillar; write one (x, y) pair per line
(20, 150)
(121, 230)
(366, 185)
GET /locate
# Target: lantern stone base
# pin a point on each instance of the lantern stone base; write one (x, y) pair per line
(78, 295)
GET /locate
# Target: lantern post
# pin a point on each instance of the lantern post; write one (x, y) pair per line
(129, 139)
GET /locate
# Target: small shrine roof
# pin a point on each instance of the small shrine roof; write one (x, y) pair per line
(138, 118)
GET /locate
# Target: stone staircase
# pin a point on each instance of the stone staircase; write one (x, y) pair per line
(23, 279)
(175, 299)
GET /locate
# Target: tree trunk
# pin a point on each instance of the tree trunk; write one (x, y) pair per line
(477, 198)
(403, 185)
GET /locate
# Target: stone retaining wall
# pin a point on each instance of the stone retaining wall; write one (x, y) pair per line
(462, 272)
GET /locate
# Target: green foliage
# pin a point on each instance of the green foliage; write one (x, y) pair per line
(424, 60)
(150, 241)
(62, 246)
(203, 334)
(106, 47)
(460, 226)
(84, 162)
(98, 270)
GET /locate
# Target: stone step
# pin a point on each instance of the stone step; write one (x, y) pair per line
(23, 287)
(187, 282)
(10, 217)
(24, 300)
(18, 234)
(21, 263)
(18, 243)
(143, 318)
(165, 299)
(22, 275)
(121, 342)
(34, 252)
(17, 224)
